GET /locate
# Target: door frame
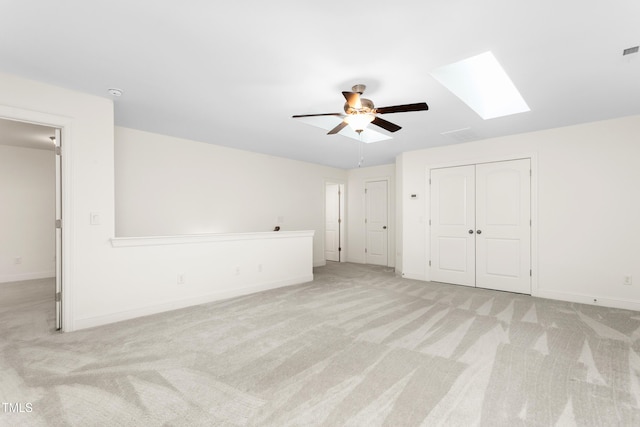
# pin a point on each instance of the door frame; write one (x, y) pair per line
(390, 219)
(64, 124)
(58, 227)
(534, 206)
(342, 226)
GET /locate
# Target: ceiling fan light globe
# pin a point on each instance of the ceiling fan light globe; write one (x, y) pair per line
(359, 122)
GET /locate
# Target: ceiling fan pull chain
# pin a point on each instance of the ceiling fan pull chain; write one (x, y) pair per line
(360, 152)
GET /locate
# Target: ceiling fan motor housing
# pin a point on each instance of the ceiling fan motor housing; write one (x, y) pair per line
(367, 107)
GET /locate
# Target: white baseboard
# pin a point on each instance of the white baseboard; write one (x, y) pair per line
(27, 276)
(589, 299)
(89, 322)
(414, 276)
(562, 296)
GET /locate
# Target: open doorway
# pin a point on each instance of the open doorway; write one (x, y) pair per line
(334, 234)
(30, 243)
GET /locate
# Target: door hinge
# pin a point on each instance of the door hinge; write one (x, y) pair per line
(530, 173)
(365, 191)
(365, 220)
(365, 250)
(530, 223)
(429, 222)
(530, 273)
(58, 297)
(339, 220)
(339, 249)
(58, 150)
(429, 263)
(58, 223)
(429, 181)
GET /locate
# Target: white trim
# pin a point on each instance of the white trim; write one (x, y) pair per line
(89, 322)
(589, 299)
(27, 276)
(343, 225)
(68, 231)
(122, 242)
(413, 276)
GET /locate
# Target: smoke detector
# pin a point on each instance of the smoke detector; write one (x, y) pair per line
(115, 92)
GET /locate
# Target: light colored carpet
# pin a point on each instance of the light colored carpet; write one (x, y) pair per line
(357, 346)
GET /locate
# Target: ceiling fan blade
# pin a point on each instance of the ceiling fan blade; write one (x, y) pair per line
(384, 124)
(338, 128)
(420, 106)
(315, 115)
(353, 99)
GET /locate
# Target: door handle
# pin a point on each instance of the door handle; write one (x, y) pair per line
(470, 231)
(479, 231)
(384, 227)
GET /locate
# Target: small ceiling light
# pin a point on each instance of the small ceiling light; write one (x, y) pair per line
(359, 122)
(115, 92)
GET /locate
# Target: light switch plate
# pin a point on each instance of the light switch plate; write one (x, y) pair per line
(95, 218)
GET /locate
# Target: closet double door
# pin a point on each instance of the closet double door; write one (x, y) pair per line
(480, 230)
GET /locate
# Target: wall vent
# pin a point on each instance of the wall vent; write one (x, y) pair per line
(461, 135)
(630, 50)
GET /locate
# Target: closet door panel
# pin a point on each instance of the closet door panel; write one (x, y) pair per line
(452, 218)
(503, 230)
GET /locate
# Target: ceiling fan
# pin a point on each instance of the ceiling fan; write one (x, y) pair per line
(359, 112)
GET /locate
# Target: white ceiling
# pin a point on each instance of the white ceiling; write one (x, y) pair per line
(233, 73)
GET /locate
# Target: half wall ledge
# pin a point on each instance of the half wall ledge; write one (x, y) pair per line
(149, 275)
(120, 242)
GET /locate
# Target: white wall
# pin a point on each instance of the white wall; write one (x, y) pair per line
(586, 236)
(153, 274)
(27, 213)
(356, 209)
(171, 186)
(103, 283)
(87, 130)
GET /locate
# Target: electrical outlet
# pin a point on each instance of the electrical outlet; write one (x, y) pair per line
(628, 280)
(17, 260)
(182, 279)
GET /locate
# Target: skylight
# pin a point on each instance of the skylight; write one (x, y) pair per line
(482, 83)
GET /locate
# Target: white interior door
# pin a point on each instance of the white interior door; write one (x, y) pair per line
(453, 225)
(58, 228)
(376, 218)
(503, 223)
(480, 230)
(332, 223)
